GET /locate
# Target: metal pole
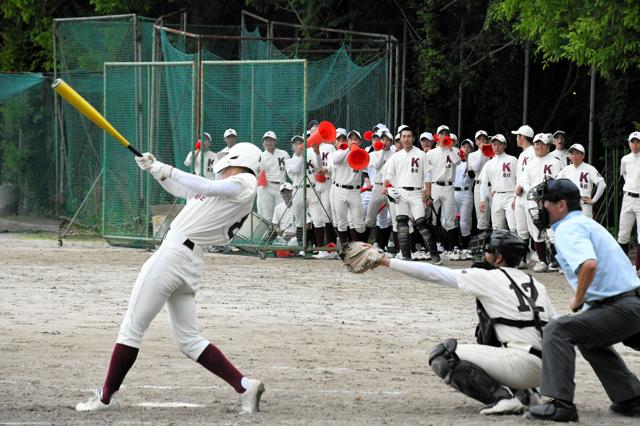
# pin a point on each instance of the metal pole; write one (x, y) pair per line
(305, 181)
(56, 130)
(525, 98)
(460, 88)
(396, 94)
(389, 113)
(404, 72)
(592, 105)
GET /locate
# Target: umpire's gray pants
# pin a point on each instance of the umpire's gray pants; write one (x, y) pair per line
(593, 331)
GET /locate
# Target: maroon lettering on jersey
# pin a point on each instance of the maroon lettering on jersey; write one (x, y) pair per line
(547, 169)
(568, 161)
(584, 177)
(448, 160)
(200, 197)
(525, 160)
(506, 167)
(414, 162)
(280, 161)
(325, 155)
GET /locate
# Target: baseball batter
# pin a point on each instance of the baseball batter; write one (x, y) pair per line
(272, 161)
(209, 156)
(542, 167)
(518, 306)
(630, 211)
(586, 178)
(409, 172)
(477, 161)
(499, 184)
(171, 276)
(442, 161)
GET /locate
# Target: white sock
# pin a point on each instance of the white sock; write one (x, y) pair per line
(244, 383)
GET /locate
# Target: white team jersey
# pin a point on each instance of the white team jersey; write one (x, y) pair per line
(210, 158)
(408, 169)
(477, 161)
(585, 176)
(295, 168)
(630, 170)
(538, 170)
(462, 180)
(213, 220)
(343, 174)
(524, 158)
(273, 164)
(500, 173)
(562, 155)
(442, 162)
(377, 161)
(283, 216)
(500, 300)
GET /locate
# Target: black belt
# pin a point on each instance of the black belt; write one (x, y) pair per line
(633, 195)
(457, 188)
(308, 186)
(536, 352)
(276, 183)
(410, 188)
(441, 183)
(188, 244)
(347, 186)
(504, 192)
(631, 293)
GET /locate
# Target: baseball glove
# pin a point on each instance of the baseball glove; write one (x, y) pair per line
(359, 257)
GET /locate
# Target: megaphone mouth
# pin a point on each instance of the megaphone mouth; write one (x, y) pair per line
(358, 158)
(326, 132)
(368, 135)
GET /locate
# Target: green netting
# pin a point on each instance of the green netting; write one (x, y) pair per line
(27, 148)
(82, 47)
(152, 106)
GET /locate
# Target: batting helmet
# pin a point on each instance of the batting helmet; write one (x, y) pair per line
(243, 154)
(506, 243)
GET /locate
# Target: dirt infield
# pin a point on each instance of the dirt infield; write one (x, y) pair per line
(331, 347)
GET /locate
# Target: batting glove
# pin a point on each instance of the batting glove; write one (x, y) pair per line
(160, 171)
(145, 161)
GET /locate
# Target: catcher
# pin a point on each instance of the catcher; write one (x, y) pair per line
(503, 369)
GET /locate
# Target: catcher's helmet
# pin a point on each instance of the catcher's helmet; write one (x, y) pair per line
(506, 243)
(555, 190)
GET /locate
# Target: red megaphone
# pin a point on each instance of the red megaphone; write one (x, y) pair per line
(320, 178)
(487, 150)
(343, 146)
(198, 145)
(461, 154)
(262, 179)
(368, 135)
(447, 141)
(358, 158)
(326, 132)
(378, 145)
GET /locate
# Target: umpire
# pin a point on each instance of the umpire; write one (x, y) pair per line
(606, 289)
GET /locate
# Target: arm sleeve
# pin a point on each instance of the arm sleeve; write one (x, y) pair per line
(187, 161)
(426, 176)
(524, 180)
(575, 245)
(600, 186)
(484, 185)
(425, 272)
(294, 166)
(340, 155)
(378, 160)
(200, 185)
(389, 170)
(175, 189)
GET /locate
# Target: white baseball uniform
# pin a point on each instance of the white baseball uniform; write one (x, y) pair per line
(563, 156)
(408, 172)
(274, 166)
(477, 161)
(522, 205)
(210, 158)
(585, 176)
(213, 212)
(324, 188)
(499, 183)
(377, 160)
(463, 187)
(630, 211)
(511, 365)
(283, 218)
(537, 171)
(346, 192)
(296, 169)
(442, 163)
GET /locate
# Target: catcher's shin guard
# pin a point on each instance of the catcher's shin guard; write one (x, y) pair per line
(423, 228)
(465, 376)
(403, 236)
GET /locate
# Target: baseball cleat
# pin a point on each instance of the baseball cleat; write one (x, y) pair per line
(251, 397)
(505, 406)
(553, 410)
(554, 267)
(436, 259)
(95, 403)
(540, 267)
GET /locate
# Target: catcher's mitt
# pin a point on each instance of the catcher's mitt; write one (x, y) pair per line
(359, 257)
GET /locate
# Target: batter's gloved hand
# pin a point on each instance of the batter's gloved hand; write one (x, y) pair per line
(160, 171)
(359, 257)
(145, 161)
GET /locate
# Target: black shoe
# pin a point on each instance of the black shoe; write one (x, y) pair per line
(629, 408)
(554, 410)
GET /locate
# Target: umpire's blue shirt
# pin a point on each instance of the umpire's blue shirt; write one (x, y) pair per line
(579, 239)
